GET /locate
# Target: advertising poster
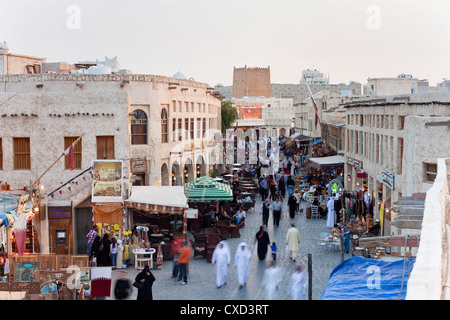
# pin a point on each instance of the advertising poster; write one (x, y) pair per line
(107, 184)
(381, 217)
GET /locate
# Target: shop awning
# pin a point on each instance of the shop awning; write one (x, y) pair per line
(331, 162)
(207, 189)
(300, 137)
(158, 199)
(316, 140)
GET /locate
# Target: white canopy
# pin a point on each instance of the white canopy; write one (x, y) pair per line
(327, 162)
(169, 199)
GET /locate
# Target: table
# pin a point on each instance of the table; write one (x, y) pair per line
(156, 237)
(141, 258)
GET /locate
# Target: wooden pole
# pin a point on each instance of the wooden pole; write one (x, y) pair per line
(62, 155)
(184, 214)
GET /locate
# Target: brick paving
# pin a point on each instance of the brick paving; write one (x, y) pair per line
(201, 279)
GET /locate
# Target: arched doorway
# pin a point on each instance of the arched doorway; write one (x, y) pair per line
(188, 171)
(176, 175)
(165, 175)
(200, 167)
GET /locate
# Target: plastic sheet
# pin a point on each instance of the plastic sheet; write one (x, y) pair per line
(360, 278)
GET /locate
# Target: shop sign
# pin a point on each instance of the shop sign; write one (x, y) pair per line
(387, 179)
(22, 203)
(381, 217)
(191, 213)
(335, 186)
(138, 165)
(59, 212)
(107, 182)
(354, 162)
(3, 236)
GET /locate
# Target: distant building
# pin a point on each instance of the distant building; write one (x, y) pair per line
(251, 82)
(313, 77)
(299, 92)
(11, 63)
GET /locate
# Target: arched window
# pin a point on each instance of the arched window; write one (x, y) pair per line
(139, 127)
(164, 126)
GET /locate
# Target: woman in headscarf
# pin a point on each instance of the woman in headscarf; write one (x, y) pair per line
(221, 258)
(292, 203)
(262, 237)
(242, 263)
(105, 248)
(95, 251)
(147, 278)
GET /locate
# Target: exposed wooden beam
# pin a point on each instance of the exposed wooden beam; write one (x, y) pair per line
(385, 241)
(407, 224)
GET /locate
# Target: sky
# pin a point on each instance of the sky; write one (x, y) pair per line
(348, 40)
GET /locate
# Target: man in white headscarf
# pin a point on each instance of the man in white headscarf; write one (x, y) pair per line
(298, 283)
(242, 263)
(331, 213)
(271, 281)
(221, 258)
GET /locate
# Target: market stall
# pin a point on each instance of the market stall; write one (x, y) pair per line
(205, 189)
(331, 162)
(155, 211)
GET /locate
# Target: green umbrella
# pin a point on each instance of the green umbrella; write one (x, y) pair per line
(207, 189)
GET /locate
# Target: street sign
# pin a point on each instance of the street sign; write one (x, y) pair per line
(191, 213)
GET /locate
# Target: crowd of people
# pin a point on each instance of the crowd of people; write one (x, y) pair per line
(103, 251)
(277, 192)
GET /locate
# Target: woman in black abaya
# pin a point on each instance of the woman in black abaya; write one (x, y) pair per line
(262, 237)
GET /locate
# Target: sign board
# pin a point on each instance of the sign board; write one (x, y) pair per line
(107, 182)
(335, 186)
(387, 179)
(24, 271)
(381, 216)
(191, 213)
(59, 212)
(22, 203)
(354, 162)
(3, 237)
(138, 165)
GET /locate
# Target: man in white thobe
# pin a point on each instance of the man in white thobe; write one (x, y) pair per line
(242, 263)
(331, 213)
(221, 259)
(271, 281)
(298, 284)
(292, 241)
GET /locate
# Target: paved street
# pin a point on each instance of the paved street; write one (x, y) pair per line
(201, 280)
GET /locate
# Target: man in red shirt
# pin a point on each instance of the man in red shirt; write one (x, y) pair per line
(184, 257)
(174, 247)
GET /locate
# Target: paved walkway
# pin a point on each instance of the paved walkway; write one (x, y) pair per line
(201, 279)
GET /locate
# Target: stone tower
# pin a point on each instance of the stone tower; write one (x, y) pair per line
(251, 82)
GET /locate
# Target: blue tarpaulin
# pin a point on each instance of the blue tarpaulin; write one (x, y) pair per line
(359, 278)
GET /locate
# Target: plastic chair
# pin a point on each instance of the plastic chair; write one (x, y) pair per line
(315, 212)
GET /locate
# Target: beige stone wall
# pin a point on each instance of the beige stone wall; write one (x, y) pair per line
(420, 143)
(429, 278)
(147, 92)
(59, 115)
(251, 82)
(16, 64)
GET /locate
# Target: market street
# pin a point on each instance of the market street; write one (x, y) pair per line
(201, 279)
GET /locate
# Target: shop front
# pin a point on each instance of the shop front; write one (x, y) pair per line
(156, 214)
